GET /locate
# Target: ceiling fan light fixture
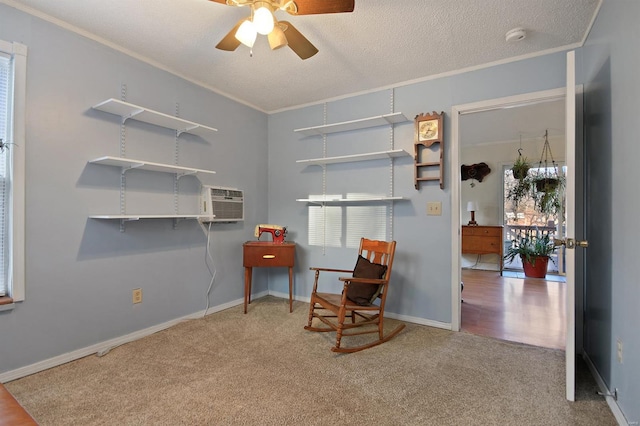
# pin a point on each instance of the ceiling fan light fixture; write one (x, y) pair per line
(277, 39)
(247, 33)
(263, 20)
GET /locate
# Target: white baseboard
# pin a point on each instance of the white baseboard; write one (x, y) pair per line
(420, 321)
(406, 318)
(611, 401)
(286, 296)
(104, 347)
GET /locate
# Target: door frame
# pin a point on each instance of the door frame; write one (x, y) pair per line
(456, 111)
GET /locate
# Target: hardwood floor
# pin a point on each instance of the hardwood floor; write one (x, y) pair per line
(525, 310)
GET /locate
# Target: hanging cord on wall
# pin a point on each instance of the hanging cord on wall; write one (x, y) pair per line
(207, 258)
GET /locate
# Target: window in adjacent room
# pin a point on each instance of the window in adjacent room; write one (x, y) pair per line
(12, 157)
(526, 218)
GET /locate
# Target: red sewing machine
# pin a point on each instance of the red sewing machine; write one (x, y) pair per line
(278, 233)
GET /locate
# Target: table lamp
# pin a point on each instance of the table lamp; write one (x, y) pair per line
(472, 206)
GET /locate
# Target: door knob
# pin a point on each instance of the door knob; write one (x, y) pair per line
(570, 243)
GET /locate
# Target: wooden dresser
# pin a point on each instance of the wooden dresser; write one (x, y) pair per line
(483, 240)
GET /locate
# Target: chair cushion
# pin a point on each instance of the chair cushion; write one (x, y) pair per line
(364, 294)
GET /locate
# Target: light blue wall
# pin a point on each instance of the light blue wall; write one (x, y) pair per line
(422, 268)
(81, 272)
(611, 65)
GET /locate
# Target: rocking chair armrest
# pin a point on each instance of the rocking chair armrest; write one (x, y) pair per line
(362, 280)
(331, 270)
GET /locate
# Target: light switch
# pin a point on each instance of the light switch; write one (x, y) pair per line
(434, 208)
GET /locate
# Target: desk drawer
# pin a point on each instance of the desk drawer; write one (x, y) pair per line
(268, 255)
(475, 244)
(484, 231)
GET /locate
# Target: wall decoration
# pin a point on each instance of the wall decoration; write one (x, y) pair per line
(475, 172)
(429, 130)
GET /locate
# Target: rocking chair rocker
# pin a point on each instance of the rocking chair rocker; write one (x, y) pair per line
(370, 281)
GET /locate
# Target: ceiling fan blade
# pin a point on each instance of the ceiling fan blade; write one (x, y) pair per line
(230, 42)
(297, 42)
(219, 1)
(314, 7)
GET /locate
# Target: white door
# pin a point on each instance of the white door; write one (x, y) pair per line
(574, 226)
(573, 121)
(570, 136)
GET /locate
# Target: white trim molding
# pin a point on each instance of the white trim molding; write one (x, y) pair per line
(608, 396)
(17, 137)
(102, 348)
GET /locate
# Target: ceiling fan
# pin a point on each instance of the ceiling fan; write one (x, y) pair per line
(279, 33)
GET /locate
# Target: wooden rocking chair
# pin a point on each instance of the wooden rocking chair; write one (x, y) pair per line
(370, 281)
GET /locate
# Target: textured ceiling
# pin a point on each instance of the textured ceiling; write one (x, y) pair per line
(382, 43)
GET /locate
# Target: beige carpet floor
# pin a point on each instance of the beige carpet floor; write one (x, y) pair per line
(263, 368)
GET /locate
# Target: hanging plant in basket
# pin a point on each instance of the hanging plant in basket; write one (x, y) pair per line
(520, 167)
(549, 186)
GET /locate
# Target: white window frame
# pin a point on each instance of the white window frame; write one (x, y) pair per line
(17, 129)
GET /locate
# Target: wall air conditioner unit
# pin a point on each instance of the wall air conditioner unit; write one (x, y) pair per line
(221, 204)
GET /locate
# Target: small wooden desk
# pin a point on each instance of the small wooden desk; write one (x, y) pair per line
(483, 240)
(267, 254)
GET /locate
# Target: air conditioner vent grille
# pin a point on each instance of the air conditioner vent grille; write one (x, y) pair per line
(222, 204)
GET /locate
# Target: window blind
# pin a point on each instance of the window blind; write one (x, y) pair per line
(5, 74)
(344, 225)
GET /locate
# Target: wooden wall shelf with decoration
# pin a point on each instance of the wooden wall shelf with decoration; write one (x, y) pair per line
(429, 130)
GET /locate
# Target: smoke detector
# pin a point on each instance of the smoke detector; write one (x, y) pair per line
(515, 34)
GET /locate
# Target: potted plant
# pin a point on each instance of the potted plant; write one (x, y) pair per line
(520, 168)
(534, 250)
(548, 194)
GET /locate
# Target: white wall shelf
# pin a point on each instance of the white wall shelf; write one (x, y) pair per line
(130, 111)
(355, 157)
(349, 200)
(363, 123)
(123, 218)
(128, 164)
(128, 217)
(146, 115)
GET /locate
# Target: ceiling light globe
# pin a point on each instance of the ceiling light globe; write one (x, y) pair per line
(246, 33)
(277, 39)
(263, 20)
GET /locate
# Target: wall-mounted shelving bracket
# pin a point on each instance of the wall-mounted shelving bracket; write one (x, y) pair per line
(179, 175)
(131, 115)
(132, 166)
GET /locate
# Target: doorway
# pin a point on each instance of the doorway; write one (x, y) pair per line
(506, 305)
(490, 121)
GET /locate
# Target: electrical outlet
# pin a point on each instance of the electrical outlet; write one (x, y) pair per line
(137, 295)
(619, 347)
(434, 208)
